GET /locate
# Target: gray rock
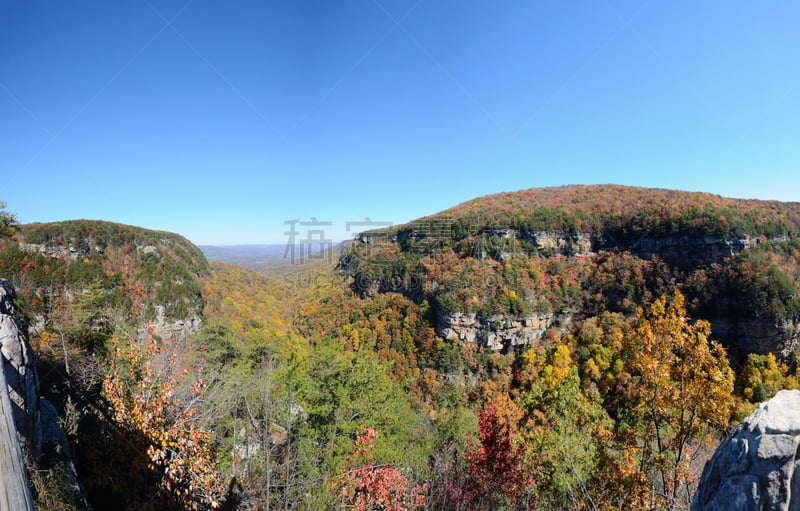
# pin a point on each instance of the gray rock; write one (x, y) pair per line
(20, 372)
(754, 467)
(499, 332)
(54, 441)
(20, 434)
(35, 418)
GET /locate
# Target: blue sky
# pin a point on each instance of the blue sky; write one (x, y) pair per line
(222, 120)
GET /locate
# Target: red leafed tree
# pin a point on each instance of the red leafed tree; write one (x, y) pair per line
(368, 486)
(494, 468)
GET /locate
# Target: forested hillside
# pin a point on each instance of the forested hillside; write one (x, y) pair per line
(619, 212)
(117, 276)
(574, 252)
(104, 302)
(578, 347)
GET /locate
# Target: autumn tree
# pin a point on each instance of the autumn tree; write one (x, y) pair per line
(495, 472)
(368, 485)
(680, 389)
(569, 446)
(762, 377)
(149, 417)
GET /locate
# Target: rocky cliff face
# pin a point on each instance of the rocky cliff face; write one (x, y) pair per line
(686, 250)
(781, 338)
(498, 332)
(35, 418)
(166, 328)
(689, 250)
(745, 335)
(20, 427)
(67, 251)
(20, 372)
(755, 467)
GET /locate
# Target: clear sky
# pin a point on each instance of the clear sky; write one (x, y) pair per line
(221, 120)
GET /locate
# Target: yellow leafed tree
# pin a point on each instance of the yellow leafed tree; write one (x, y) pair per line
(681, 390)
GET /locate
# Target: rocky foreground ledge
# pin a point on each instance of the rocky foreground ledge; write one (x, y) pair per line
(756, 466)
(19, 410)
(29, 423)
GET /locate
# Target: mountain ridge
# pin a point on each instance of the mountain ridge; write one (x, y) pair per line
(603, 209)
(139, 277)
(573, 250)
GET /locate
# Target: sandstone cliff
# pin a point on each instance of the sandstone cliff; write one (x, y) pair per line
(780, 337)
(377, 266)
(499, 332)
(686, 250)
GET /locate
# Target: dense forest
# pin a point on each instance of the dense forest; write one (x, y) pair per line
(618, 211)
(576, 347)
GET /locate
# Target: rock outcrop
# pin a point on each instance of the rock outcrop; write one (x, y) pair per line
(498, 332)
(29, 422)
(687, 250)
(780, 337)
(20, 371)
(69, 250)
(56, 449)
(166, 328)
(15, 491)
(755, 467)
(20, 432)
(684, 249)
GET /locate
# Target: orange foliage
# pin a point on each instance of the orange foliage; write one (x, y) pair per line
(143, 403)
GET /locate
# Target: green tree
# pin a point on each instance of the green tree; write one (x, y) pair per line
(559, 438)
(342, 393)
(8, 222)
(759, 393)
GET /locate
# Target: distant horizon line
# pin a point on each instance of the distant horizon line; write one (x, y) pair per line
(273, 244)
